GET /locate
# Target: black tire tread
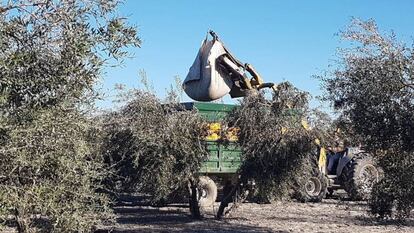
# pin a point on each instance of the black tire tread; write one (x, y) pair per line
(302, 196)
(350, 178)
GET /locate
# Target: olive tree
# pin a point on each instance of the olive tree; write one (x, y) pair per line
(51, 56)
(372, 88)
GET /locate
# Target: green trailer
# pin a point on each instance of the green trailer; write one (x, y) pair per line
(219, 171)
(224, 159)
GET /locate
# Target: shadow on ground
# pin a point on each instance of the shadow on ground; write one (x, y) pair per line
(134, 214)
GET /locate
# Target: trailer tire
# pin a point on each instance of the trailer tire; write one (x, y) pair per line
(206, 191)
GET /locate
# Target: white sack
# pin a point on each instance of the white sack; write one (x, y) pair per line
(204, 82)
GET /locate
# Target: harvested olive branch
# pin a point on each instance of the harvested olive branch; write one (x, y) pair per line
(156, 146)
(274, 145)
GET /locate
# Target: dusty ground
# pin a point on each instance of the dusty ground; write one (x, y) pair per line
(332, 215)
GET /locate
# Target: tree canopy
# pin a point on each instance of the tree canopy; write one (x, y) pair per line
(372, 88)
(51, 55)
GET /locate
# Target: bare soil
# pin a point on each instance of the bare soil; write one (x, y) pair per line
(331, 215)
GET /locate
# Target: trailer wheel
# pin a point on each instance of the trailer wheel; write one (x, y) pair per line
(313, 189)
(206, 191)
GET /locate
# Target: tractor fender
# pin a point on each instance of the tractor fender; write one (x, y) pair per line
(346, 158)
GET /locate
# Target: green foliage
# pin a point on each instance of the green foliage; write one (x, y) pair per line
(373, 90)
(396, 189)
(52, 52)
(154, 148)
(274, 143)
(51, 56)
(49, 171)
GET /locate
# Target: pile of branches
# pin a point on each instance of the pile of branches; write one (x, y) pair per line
(151, 147)
(276, 148)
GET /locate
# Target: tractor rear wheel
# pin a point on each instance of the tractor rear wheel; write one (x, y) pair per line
(359, 177)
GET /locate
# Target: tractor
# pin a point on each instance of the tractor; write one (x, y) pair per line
(351, 169)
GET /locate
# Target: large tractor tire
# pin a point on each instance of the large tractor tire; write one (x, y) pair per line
(359, 177)
(312, 189)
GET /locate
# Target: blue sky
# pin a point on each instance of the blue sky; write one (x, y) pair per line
(283, 40)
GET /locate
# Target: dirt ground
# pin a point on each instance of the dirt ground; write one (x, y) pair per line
(332, 215)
